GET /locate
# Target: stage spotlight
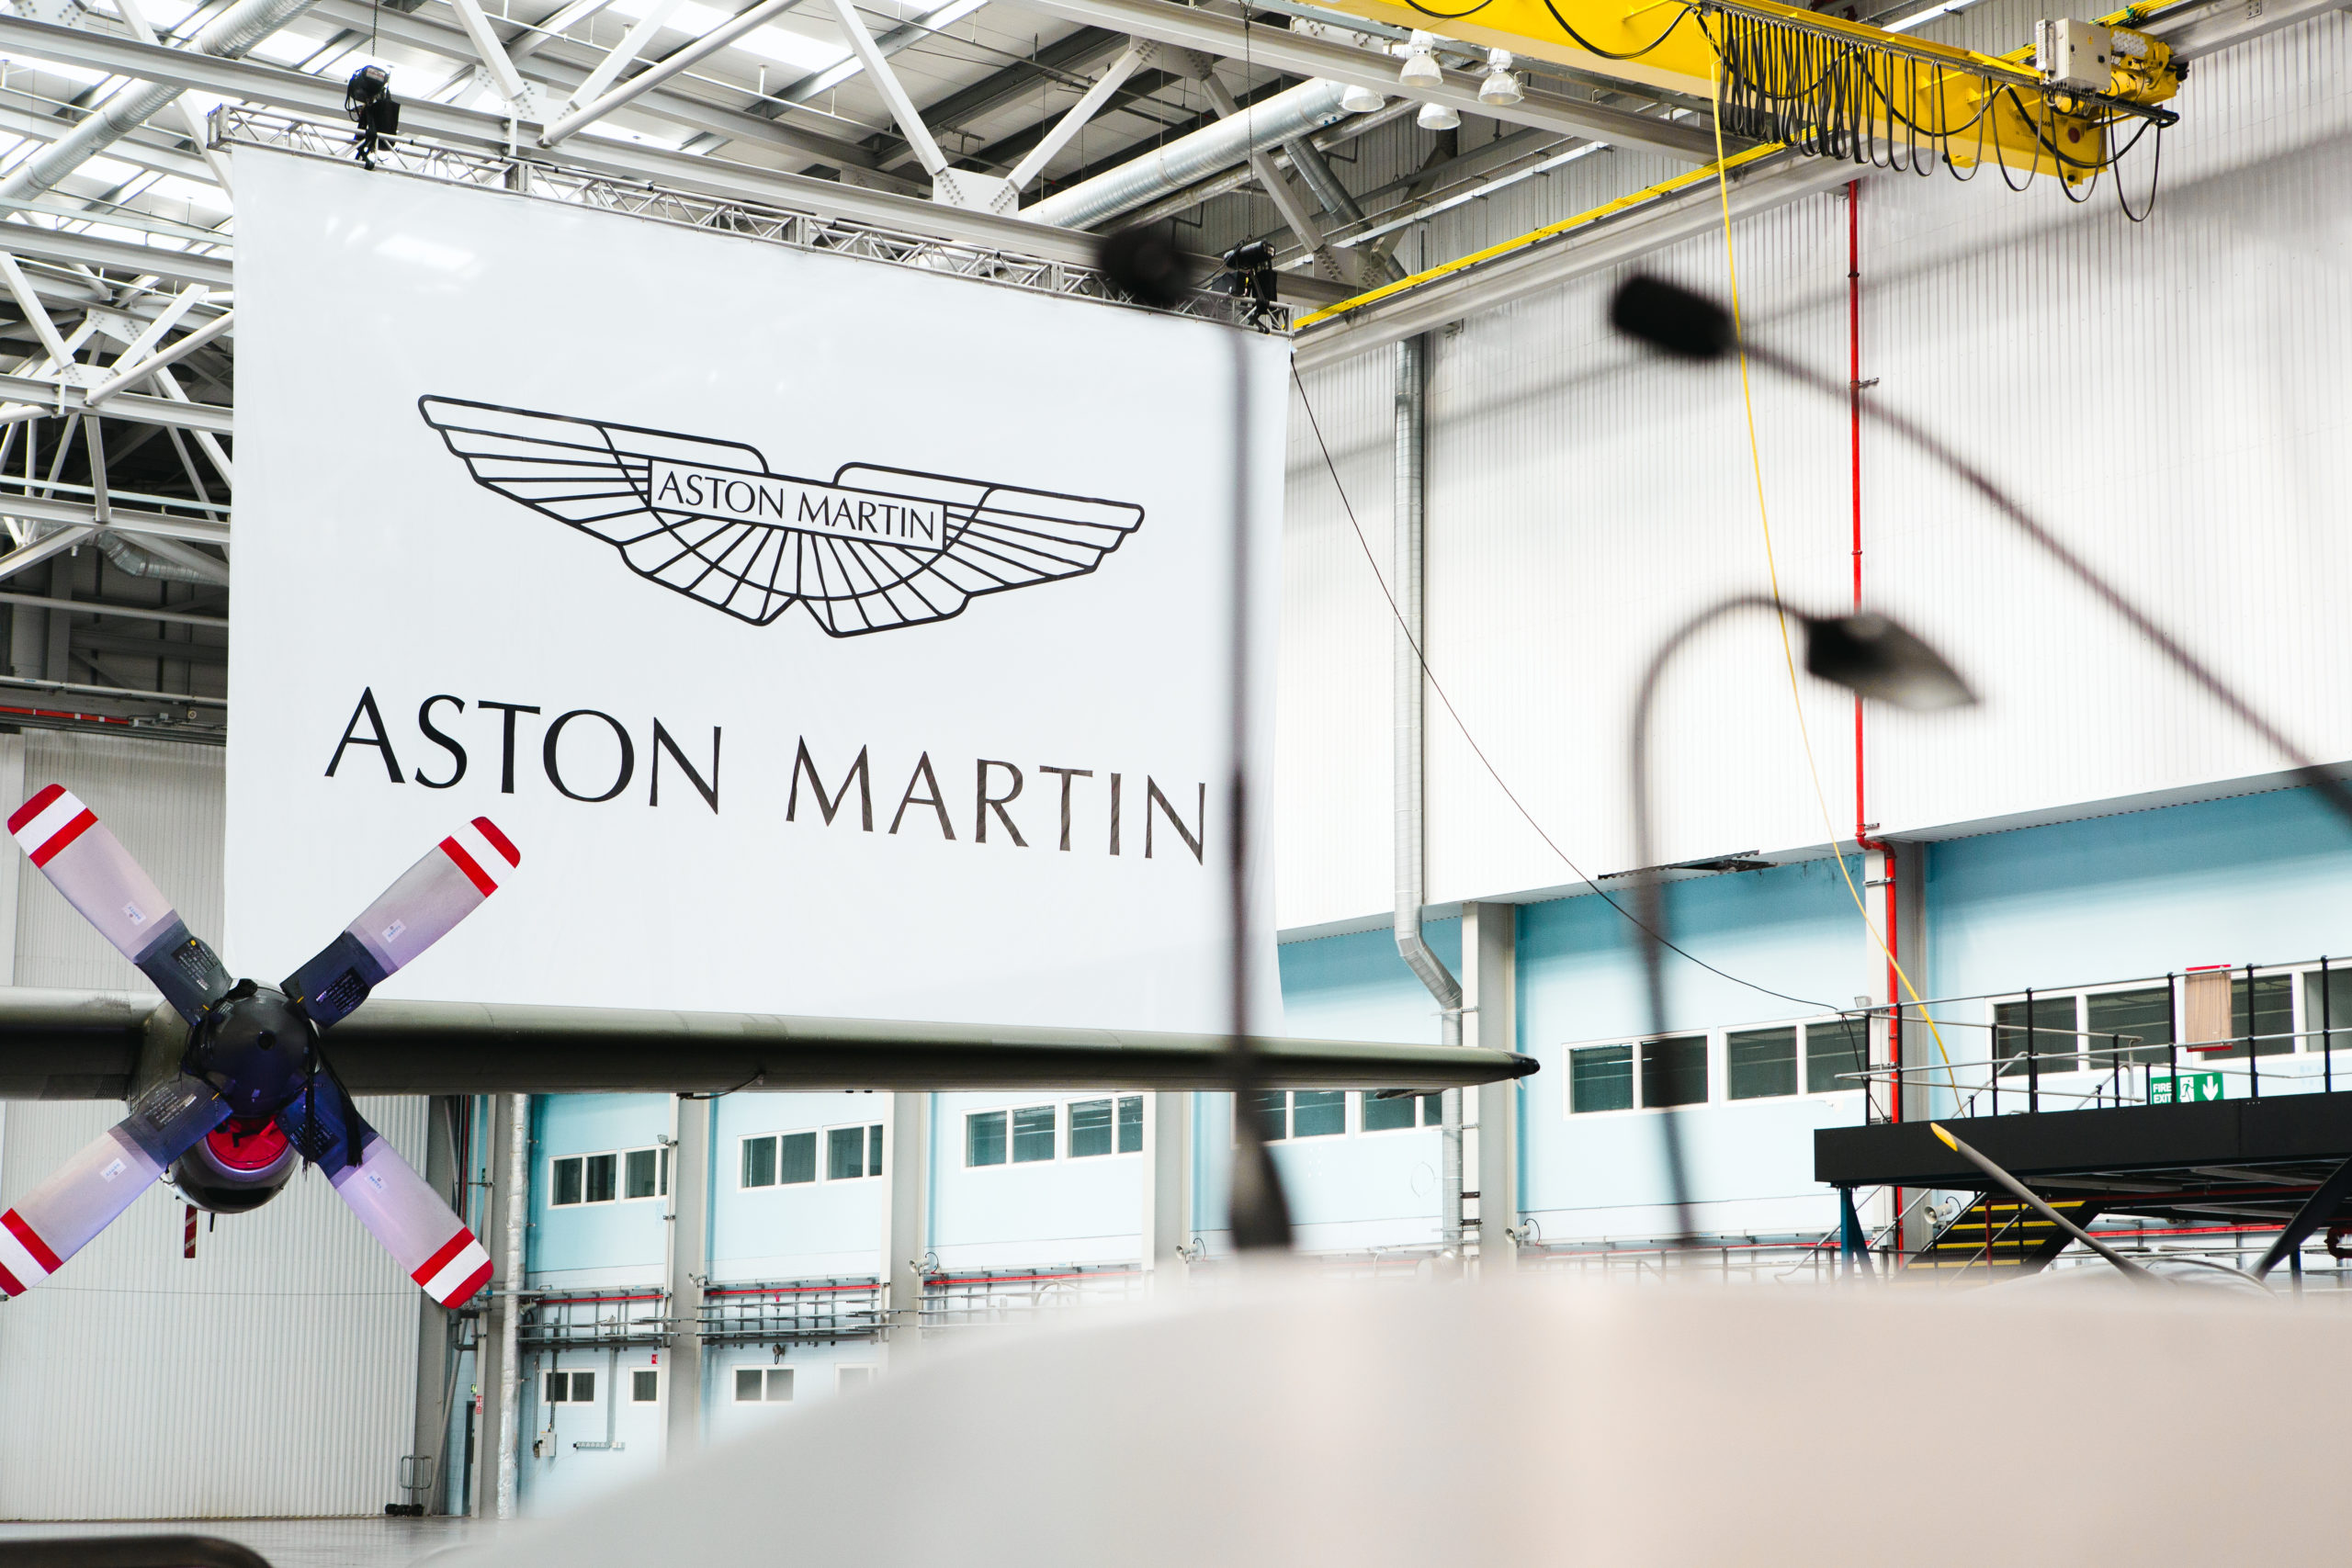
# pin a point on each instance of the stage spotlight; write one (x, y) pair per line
(1501, 85)
(1148, 264)
(1251, 268)
(1420, 65)
(1436, 117)
(1359, 99)
(1873, 657)
(368, 100)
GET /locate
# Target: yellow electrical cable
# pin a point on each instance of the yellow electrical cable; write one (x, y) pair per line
(1773, 570)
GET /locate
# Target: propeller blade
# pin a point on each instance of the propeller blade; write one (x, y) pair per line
(89, 866)
(418, 911)
(396, 1204)
(90, 1192)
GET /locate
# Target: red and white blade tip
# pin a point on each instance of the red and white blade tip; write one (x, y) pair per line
(465, 852)
(48, 822)
(452, 1275)
(25, 1260)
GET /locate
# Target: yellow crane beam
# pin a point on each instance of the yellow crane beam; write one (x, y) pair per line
(1824, 85)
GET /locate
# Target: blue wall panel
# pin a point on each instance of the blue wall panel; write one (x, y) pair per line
(594, 1243)
(820, 1228)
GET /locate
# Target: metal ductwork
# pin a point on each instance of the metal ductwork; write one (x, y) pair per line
(1304, 109)
(234, 32)
(1412, 386)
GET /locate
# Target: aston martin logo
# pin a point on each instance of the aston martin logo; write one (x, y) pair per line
(870, 549)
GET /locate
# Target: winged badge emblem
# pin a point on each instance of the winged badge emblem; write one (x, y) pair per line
(871, 549)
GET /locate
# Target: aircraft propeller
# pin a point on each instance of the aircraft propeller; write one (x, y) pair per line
(253, 1071)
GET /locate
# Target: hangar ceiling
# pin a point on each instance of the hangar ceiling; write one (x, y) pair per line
(120, 221)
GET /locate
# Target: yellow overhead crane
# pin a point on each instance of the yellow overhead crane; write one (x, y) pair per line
(1846, 89)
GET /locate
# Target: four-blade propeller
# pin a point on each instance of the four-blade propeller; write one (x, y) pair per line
(252, 1088)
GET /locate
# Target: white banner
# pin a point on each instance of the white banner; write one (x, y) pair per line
(831, 637)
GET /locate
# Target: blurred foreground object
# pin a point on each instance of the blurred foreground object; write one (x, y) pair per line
(1275, 1421)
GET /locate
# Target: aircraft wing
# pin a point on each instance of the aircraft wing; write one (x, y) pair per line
(58, 1045)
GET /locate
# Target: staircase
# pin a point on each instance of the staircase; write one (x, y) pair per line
(1996, 1237)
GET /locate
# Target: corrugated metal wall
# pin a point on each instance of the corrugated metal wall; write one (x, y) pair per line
(272, 1375)
(2161, 392)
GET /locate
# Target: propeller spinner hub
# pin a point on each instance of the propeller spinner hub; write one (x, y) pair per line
(256, 1049)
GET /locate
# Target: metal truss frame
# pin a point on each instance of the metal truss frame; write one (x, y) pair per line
(800, 229)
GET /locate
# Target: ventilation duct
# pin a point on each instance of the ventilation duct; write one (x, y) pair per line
(1304, 109)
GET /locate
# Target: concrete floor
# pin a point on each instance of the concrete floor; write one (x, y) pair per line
(296, 1543)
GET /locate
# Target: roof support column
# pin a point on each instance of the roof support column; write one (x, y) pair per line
(1490, 1018)
(1167, 1189)
(689, 1271)
(906, 1224)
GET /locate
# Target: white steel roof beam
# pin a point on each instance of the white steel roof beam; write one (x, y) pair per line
(622, 55)
(894, 93)
(161, 359)
(229, 34)
(185, 112)
(1299, 54)
(492, 54)
(670, 65)
(1071, 124)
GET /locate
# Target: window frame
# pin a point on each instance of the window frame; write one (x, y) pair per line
(636, 1375)
(1718, 1057)
(1115, 1100)
(774, 1137)
(870, 1166)
(619, 1157)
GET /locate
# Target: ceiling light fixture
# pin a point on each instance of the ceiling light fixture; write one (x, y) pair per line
(1501, 85)
(1437, 117)
(1420, 68)
(1360, 99)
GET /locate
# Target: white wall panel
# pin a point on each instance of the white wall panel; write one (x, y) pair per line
(2164, 393)
(273, 1373)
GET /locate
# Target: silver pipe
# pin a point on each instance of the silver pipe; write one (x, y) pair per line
(510, 1323)
(1404, 574)
(1306, 107)
(232, 32)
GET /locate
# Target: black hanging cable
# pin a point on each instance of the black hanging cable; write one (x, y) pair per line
(1420, 661)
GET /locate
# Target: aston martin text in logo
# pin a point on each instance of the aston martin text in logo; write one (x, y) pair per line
(871, 549)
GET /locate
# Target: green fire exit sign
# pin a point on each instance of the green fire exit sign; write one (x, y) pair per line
(2180, 1088)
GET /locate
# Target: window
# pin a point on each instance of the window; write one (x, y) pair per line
(779, 1160)
(598, 1178)
(849, 1380)
(984, 1137)
(2051, 1032)
(1674, 1071)
(1832, 1047)
(572, 1388)
(645, 1173)
(645, 1385)
(2328, 1010)
(2272, 1023)
(1389, 1112)
(759, 1162)
(1272, 1108)
(764, 1385)
(1318, 1113)
(1105, 1127)
(1034, 1132)
(1600, 1077)
(1760, 1063)
(851, 1153)
(795, 1158)
(2146, 1013)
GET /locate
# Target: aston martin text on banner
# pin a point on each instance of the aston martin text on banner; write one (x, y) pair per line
(800, 686)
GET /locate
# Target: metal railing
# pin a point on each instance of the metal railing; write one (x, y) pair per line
(796, 229)
(611, 1317)
(994, 1298)
(791, 1311)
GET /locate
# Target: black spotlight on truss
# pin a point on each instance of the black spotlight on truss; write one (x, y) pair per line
(1250, 273)
(368, 100)
(1148, 265)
